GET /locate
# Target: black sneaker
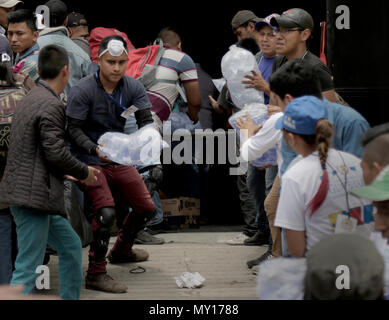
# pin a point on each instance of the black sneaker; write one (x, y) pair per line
(259, 239)
(145, 238)
(258, 261)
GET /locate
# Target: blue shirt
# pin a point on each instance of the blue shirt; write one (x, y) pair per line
(349, 125)
(266, 67)
(89, 101)
(30, 60)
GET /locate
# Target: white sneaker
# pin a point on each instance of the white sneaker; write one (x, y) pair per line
(238, 240)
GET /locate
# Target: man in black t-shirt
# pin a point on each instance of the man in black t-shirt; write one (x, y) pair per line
(294, 29)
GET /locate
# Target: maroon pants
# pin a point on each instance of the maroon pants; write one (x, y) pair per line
(127, 184)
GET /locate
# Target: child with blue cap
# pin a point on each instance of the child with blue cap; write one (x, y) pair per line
(315, 201)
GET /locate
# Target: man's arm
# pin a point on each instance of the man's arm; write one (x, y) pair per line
(192, 90)
(79, 138)
(52, 134)
(143, 118)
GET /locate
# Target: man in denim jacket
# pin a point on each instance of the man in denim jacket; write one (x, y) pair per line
(57, 33)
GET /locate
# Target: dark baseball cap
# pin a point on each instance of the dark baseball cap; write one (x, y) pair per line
(243, 17)
(58, 12)
(76, 19)
(340, 252)
(294, 18)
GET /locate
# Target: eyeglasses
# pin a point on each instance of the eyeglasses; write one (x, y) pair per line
(285, 31)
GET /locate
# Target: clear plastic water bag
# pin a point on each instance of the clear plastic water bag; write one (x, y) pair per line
(258, 113)
(236, 64)
(139, 148)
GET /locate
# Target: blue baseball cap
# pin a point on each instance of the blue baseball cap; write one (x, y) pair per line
(266, 22)
(302, 115)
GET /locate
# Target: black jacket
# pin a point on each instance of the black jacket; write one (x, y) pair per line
(37, 157)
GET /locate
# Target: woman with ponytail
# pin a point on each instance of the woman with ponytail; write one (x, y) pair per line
(315, 188)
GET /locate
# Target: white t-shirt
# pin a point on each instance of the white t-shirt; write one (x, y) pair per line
(302, 181)
(265, 139)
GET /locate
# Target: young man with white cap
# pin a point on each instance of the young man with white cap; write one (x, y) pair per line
(96, 105)
(378, 191)
(7, 6)
(376, 174)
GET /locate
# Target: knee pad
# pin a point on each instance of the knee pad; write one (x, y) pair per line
(106, 217)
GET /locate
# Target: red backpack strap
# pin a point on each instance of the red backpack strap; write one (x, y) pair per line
(323, 57)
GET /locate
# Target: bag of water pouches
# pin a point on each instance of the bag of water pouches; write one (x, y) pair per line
(237, 64)
(133, 149)
(180, 120)
(258, 113)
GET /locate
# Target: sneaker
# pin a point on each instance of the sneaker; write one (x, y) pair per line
(259, 239)
(103, 282)
(257, 262)
(136, 255)
(163, 227)
(238, 240)
(145, 238)
(255, 270)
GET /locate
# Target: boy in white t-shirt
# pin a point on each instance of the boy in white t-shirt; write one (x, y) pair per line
(315, 201)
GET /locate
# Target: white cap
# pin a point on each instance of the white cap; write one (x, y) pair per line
(9, 3)
(115, 48)
(5, 57)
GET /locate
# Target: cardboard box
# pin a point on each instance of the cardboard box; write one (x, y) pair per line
(191, 207)
(182, 206)
(171, 207)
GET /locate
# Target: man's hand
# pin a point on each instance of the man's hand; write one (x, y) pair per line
(273, 110)
(256, 81)
(249, 125)
(101, 156)
(193, 115)
(92, 177)
(215, 105)
(90, 180)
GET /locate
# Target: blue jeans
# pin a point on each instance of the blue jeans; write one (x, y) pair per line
(34, 231)
(5, 246)
(158, 206)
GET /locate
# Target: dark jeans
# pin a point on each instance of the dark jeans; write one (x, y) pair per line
(256, 182)
(5, 246)
(248, 206)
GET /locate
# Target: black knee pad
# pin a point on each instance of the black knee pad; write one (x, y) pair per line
(106, 217)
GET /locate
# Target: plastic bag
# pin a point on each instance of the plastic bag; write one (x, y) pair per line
(236, 64)
(258, 113)
(190, 280)
(140, 148)
(281, 279)
(180, 120)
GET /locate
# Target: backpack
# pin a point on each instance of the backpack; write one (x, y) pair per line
(143, 64)
(9, 98)
(98, 34)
